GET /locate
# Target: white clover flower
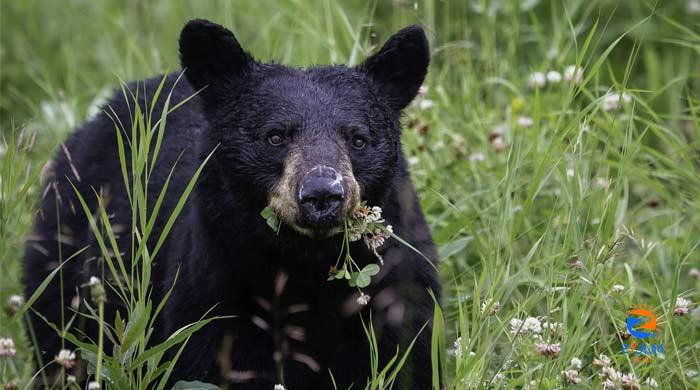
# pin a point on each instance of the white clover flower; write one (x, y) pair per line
(425, 104)
(695, 273)
(376, 239)
(354, 234)
(375, 215)
(423, 90)
(498, 143)
(630, 381)
(71, 379)
(618, 288)
(651, 382)
(602, 361)
(576, 363)
(693, 7)
(573, 74)
(15, 300)
(612, 375)
(279, 387)
(413, 160)
(532, 325)
(537, 80)
(14, 303)
(682, 306)
(548, 350)
(65, 358)
(571, 376)
(515, 325)
(477, 157)
(691, 373)
(525, 121)
(94, 280)
(363, 299)
(7, 347)
(611, 101)
(94, 385)
(553, 76)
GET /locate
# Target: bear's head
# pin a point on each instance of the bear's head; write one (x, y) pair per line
(311, 142)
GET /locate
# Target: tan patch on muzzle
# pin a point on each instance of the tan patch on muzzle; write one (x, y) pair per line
(283, 197)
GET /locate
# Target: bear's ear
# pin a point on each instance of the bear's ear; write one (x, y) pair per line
(210, 55)
(399, 68)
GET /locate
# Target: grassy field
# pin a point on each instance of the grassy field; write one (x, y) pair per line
(556, 151)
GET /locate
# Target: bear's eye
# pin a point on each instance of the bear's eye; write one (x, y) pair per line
(275, 139)
(358, 143)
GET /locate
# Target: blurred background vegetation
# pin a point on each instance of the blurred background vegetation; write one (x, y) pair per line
(618, 191)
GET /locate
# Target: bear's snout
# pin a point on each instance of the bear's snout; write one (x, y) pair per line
(321, 196)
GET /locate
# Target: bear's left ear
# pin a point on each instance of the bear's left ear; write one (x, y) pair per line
(211, 55)
(399, 68)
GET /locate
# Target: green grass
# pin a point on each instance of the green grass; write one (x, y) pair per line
(617, 191)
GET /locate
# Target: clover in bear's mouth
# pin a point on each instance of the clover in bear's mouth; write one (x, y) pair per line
(366, 223)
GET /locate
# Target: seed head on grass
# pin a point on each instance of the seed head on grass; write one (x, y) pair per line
(492, 307)
(97, 290)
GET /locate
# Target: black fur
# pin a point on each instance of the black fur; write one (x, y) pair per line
(228, 259)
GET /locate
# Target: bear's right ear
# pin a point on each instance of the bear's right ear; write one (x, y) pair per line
(211, 55)
(400, 66)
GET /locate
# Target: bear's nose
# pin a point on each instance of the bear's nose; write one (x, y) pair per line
(321, 195)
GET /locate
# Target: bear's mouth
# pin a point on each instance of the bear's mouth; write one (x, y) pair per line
(317, 233)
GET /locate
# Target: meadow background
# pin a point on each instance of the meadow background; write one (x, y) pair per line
(554, 200)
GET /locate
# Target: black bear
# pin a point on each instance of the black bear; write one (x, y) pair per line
(308, 144)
